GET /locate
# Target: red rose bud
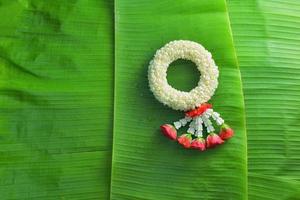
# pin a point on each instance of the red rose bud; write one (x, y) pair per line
(169, 131)
(198, 111)
(226, 132)
(185, 140)
(198, 143)
(213, 140)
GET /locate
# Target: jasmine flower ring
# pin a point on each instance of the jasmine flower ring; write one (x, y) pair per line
(176, 99)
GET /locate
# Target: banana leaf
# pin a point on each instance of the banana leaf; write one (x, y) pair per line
(267, 39)
(57, 72)
(56, 60)
(145, 165)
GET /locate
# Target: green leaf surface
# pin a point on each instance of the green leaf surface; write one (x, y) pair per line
(267, 40)
(146, 165)
(56, 91)
(56, 100)
(268, 187)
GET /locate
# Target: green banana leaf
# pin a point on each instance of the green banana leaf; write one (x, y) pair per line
(59, 60)
(56, 60)
(267, 39)
(145, 165)
(268, 52)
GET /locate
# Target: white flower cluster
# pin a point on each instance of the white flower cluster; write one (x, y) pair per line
(181, 100)
(197, 123)
(182, 122)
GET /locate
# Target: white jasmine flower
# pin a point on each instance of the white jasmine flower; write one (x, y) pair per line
(191, 130)
(177, 125)
(181, 100)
